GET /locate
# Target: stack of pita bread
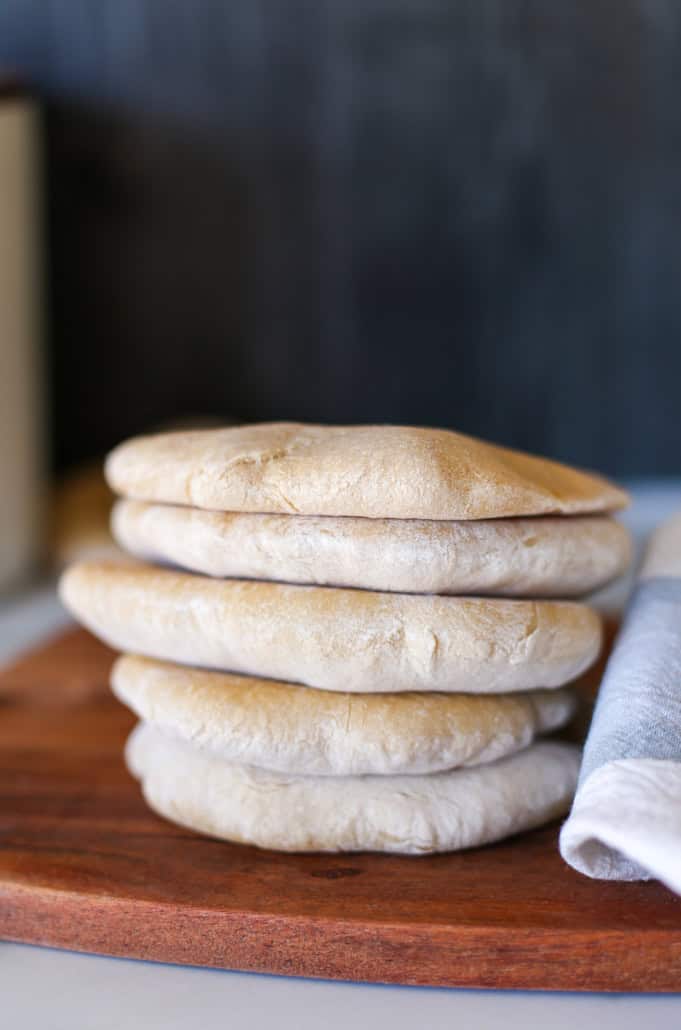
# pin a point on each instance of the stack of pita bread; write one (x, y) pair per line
(348, 638)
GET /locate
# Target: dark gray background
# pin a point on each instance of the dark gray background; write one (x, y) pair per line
(453, 212)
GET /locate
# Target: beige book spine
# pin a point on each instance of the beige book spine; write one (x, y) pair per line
(22, 438)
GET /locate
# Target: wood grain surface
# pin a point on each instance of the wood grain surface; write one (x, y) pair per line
(85, 865)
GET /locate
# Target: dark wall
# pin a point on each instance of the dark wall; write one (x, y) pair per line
(446, 212)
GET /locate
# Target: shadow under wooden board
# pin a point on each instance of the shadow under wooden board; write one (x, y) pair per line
(85, 865)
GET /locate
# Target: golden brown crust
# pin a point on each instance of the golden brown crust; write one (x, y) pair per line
(367, 471)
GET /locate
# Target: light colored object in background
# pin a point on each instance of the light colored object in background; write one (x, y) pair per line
(626, 819)
(369, 471)
(537, 557)
(22, 444)
(348, 640)
(289, 728)
(412, 815)
(82, 504)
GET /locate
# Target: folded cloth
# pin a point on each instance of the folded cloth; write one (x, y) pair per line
(625, 822)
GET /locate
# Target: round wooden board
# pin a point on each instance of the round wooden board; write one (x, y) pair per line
(85, 865)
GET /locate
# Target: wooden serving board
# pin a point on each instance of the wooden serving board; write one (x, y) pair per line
(85, 865)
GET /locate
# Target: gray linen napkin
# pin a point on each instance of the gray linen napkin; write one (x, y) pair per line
(625, 822)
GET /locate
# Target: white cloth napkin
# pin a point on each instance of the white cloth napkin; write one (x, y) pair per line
(625, 822)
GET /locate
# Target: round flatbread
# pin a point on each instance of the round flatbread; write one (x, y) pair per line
(289, 728)
(537, 557)
(369, 471)
(349, 640)
(412, 815)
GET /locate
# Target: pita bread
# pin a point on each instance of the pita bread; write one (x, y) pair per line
(293, 729)
(534, 557)
(412, 815)
(370, 471)
(349, 640)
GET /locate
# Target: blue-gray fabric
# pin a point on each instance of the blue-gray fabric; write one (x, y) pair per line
(638, 712)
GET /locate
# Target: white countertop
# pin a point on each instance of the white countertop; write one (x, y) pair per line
(52, 990)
